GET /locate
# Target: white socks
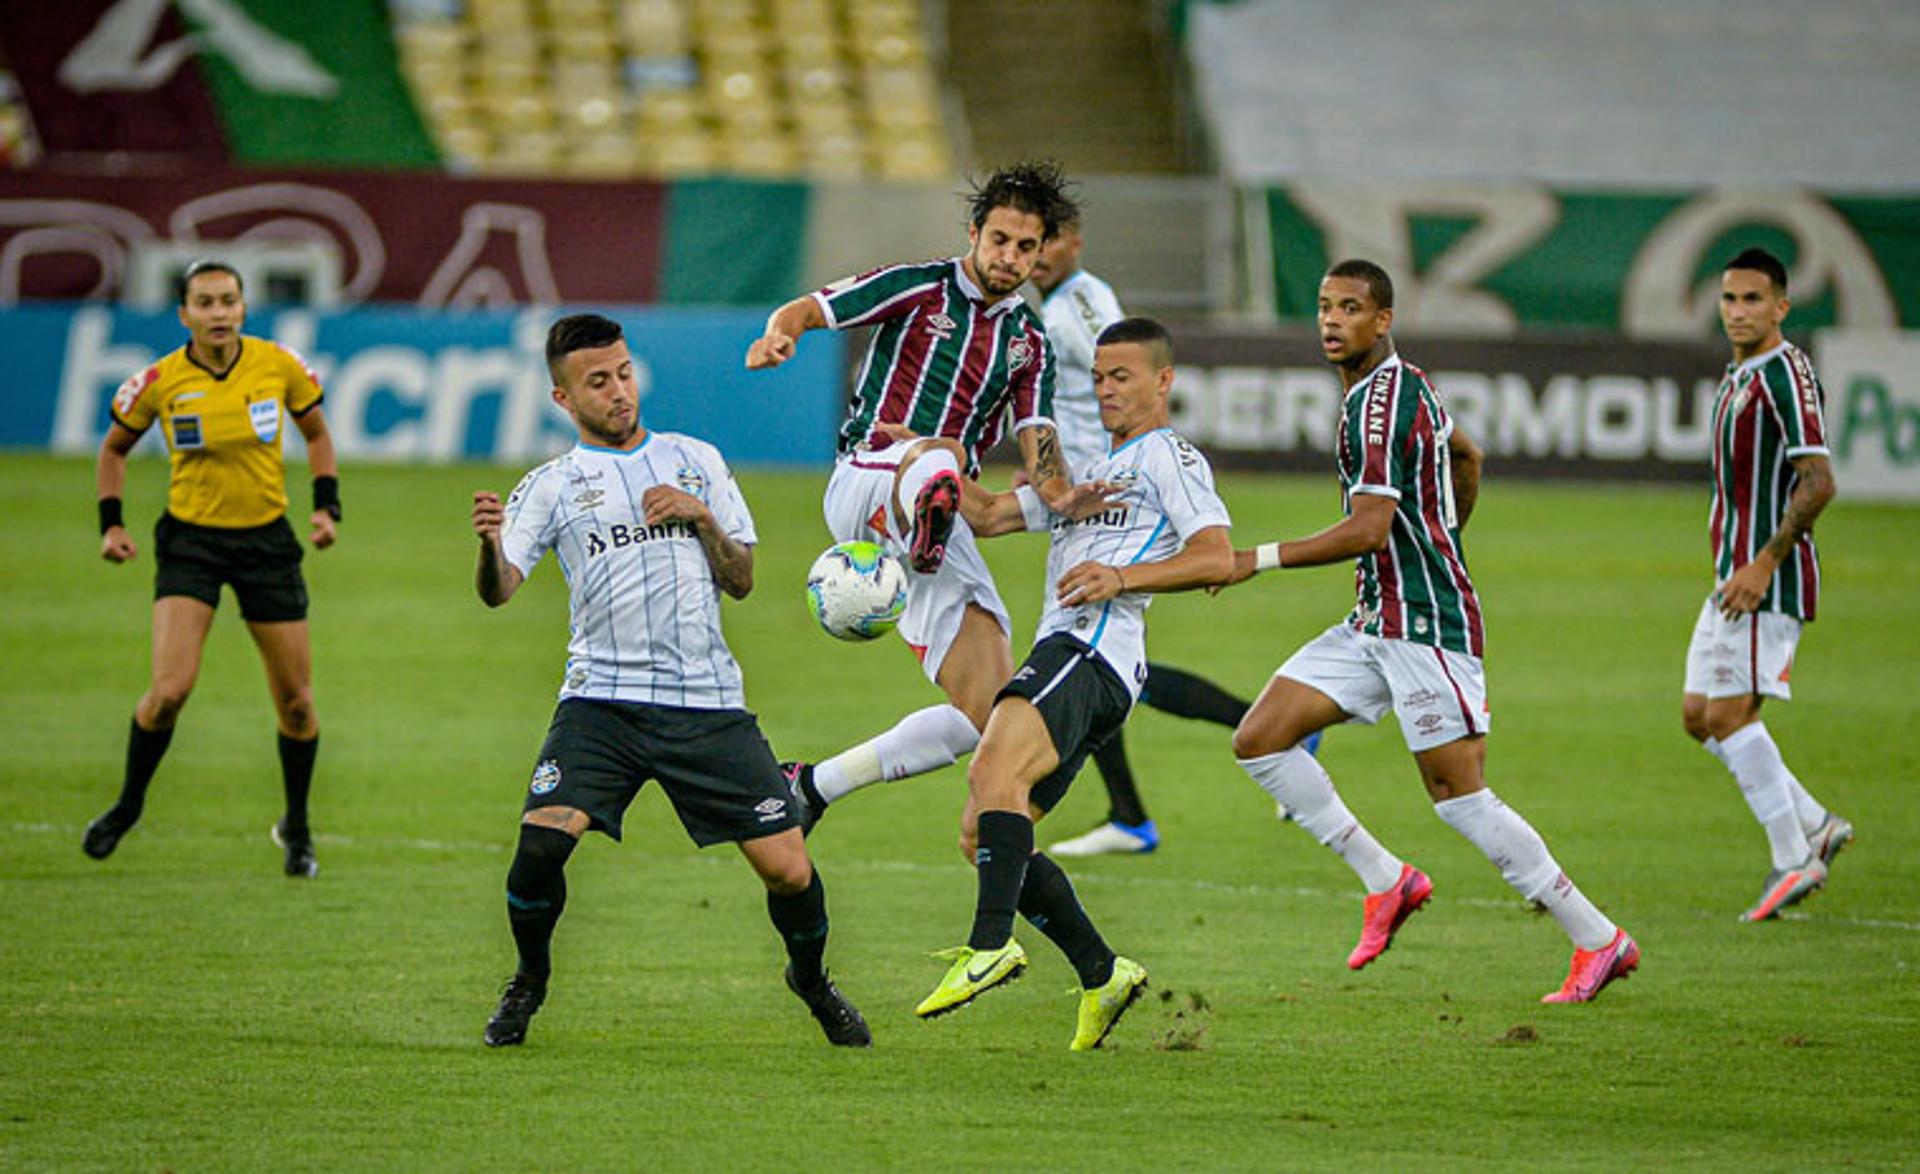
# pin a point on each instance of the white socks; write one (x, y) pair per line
(1295, 778)
(925, 740)
(1812, 814)
(1768, 787)
(1524, 862)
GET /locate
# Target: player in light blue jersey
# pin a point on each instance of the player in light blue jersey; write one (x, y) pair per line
(649, 529)
(1076, 306)
(1162, 528)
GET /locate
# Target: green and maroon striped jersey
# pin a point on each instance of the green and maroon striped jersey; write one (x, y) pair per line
(1767, 412)
(1393, 442)
(942, 361)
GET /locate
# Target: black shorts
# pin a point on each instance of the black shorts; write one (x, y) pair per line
(261, 562)
(1082, 700)
(714, 765)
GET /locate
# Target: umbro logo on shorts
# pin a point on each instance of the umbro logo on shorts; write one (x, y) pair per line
(770, 809)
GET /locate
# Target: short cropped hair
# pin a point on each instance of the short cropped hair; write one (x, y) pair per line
(1761, 261)
(208, 266)
(1037, 188)
(1379, 285)
(578, 332)
(1144, 331)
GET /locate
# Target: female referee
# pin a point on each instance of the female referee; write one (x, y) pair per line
(221, 400)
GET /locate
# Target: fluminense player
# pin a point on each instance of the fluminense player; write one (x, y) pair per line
(1163, 529)
(649, 529)
(222, 402)
(955, 353)
(1771, 479)
(1077, 305)
(1412, 645)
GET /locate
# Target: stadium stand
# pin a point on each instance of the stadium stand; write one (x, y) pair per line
(827, 89)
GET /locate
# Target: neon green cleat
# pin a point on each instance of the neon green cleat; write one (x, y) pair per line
(1102, 1007)
(973, 973)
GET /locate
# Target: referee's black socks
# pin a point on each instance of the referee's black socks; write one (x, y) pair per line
(145, 749)
(536, 893)
(1182, 694)
(1005, 843)
(296, 774)
(801, 919)
(1049, 902)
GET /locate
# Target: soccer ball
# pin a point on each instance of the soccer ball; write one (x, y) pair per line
(857, 590)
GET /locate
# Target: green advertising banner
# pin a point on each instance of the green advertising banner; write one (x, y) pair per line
(1499, 258)
(299, 83)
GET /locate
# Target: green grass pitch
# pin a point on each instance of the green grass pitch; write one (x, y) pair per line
(185, 1007)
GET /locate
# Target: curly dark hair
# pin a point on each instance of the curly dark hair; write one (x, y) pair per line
(1037, 187)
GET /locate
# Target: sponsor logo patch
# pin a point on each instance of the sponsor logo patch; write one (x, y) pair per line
(770, 809)
(1422, 699)
(590, 499)
(186, 432)
(546, 777)
(264, 415)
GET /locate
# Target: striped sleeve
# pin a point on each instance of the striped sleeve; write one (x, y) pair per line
(1184, 480)
(1032, 381)
(880, 294)
(1382, 435)
(1793, 391)
(532, 511)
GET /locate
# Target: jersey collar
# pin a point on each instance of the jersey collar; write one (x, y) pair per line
(1114, 452)
(1392, 360)
(977, 295)
(1741, 370)
(616, 452)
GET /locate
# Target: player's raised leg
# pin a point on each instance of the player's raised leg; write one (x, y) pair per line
(1268, 746)
(286, 652)
(797, 906)
(180, 626)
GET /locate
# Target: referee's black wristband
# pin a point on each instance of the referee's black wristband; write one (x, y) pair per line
(326, 495)
(110, 514)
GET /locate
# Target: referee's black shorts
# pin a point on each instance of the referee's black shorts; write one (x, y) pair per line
(1080, 698)
(714, 765)
(262, 563)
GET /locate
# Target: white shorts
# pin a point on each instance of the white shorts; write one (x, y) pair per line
(1440, 695)
(859, 507)
(1734, 658)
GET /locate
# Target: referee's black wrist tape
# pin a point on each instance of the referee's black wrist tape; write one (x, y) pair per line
(110, 514)
(326, 495)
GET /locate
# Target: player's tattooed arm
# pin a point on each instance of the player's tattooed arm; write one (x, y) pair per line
(1046, 468)
(1813, 489)
(731, 560)
(1465, 471)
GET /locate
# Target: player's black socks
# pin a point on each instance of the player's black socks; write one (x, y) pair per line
(1184, 695)
(801, 919)
(1123, 801)
(1049, 902)
(145, 749)
(1006, 840)
(296, 775)
(536, 893)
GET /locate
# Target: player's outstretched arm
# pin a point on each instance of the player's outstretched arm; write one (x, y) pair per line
(1464, 468)
(110, 477)
(776, 344)
(1813, 488)
(1363, 531)
(494, 577)
(1205, 561)
(1046, 466)
(731, 559)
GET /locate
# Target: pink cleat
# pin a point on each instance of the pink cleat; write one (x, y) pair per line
(1592, 970)
(1386, 911)
(1788, 886)
(934, 509)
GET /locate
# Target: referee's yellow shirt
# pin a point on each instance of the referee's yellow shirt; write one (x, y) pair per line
(223, 431)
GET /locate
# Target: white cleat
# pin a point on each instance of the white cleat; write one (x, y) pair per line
(1110, 839)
